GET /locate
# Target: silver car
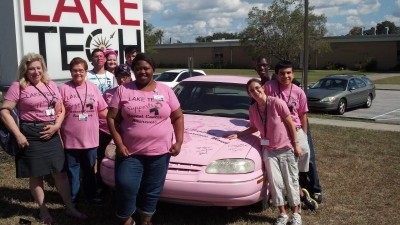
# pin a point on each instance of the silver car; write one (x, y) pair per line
(337, 93)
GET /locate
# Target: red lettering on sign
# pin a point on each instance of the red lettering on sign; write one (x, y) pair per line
(28, 13)
(99, 4)
(124, 5)
(61, 8)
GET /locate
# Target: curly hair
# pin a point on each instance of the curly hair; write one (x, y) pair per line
(23, 69)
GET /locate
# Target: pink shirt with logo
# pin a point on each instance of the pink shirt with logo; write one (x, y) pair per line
(293, 96)
(277, 133)
(146, 127)
(34, 102)
(107, 95)
(76, 133)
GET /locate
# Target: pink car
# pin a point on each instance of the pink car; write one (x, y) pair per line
(211, 170)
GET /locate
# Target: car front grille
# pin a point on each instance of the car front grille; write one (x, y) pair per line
(183, 168)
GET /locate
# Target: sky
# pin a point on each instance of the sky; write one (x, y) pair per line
(184, 20)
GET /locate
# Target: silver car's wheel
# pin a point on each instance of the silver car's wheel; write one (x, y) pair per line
(368, 103)
(341, 107)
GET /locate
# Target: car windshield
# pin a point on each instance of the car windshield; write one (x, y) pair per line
(214, 99)
(167, 76)
(331, 84)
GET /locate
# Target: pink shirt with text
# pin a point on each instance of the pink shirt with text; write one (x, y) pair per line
(146, 127)
(277, 133)
(107, 95)
(35, 101)
(293, 96)
(78, 133)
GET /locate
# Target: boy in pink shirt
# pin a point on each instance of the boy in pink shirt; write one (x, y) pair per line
(294, 97)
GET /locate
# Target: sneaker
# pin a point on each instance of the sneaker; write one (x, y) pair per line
(296, 219)
(317, 197)
(282, 219)
(308, 201)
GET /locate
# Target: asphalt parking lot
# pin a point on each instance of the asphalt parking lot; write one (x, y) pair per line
(385, 108)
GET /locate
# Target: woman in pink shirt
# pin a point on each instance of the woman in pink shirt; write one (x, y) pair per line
(41, 113)
(271, 117)
(80, 130)
(111, 61)
(144, 117)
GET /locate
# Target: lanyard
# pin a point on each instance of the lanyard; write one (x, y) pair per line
(49, 103)
(82, 103)
(282, 96)
(264, 120)
(105, 81)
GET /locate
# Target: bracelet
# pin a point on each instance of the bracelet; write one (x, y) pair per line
(295, 142)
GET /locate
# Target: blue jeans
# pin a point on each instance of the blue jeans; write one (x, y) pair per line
(310, 180)
(76, 160)
(138, 183)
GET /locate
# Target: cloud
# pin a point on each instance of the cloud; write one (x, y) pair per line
(354, 21)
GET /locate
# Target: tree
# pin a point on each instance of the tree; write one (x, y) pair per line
(381, 28)
(355, 31)
(217, 36)
(279, 32)
(152, 36)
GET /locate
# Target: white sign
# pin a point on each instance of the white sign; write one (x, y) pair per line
(63, 29)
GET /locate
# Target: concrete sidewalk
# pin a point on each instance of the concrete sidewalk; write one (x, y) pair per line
(356, 124)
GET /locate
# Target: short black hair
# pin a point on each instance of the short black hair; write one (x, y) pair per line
(97, 50)
(143, 57)
(283, 64)
(130, 49)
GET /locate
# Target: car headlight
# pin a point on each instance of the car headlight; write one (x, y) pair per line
(231, 166)
(328, 99)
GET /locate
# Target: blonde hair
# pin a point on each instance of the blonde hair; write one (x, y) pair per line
(23, 69)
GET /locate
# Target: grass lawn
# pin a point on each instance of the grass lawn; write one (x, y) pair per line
(389, 80)
(359, 171)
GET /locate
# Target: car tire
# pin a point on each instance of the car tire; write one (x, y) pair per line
(368, 103)
(341, 108)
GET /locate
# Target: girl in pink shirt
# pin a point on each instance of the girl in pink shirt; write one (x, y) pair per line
(144, 117)
(271, 117)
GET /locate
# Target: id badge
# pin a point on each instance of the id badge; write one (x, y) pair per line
(83, 117)
(159, 97)
(50, 112)
(264, 141)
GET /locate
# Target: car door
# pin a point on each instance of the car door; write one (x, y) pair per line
(362, 91)
(352, 95)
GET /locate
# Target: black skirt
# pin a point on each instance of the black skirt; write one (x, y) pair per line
(41, 157)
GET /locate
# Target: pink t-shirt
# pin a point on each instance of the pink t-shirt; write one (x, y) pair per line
(107, 95)
(277, 133)
(293, 96)
(146, 127)
(76, 132)
(35, 101)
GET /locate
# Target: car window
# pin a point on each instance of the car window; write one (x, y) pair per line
(332, 84)
(367, 80)
(167, 76)
(352, 84)
(183, 76)
(360, 83)
(217, 99)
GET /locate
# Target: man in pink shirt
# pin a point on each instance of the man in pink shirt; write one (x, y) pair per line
(296, 100)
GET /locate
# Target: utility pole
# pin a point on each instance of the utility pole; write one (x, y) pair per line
(306, 48)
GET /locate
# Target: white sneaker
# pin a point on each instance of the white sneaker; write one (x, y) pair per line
(282, 219)
(296, 219)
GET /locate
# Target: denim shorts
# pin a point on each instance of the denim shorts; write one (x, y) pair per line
(139, 181)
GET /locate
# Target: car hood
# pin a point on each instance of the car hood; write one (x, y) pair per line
(169, 84)
(204, 140)
(322, 93)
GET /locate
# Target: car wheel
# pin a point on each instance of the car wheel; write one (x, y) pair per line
(368, 103)
(341, 107)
